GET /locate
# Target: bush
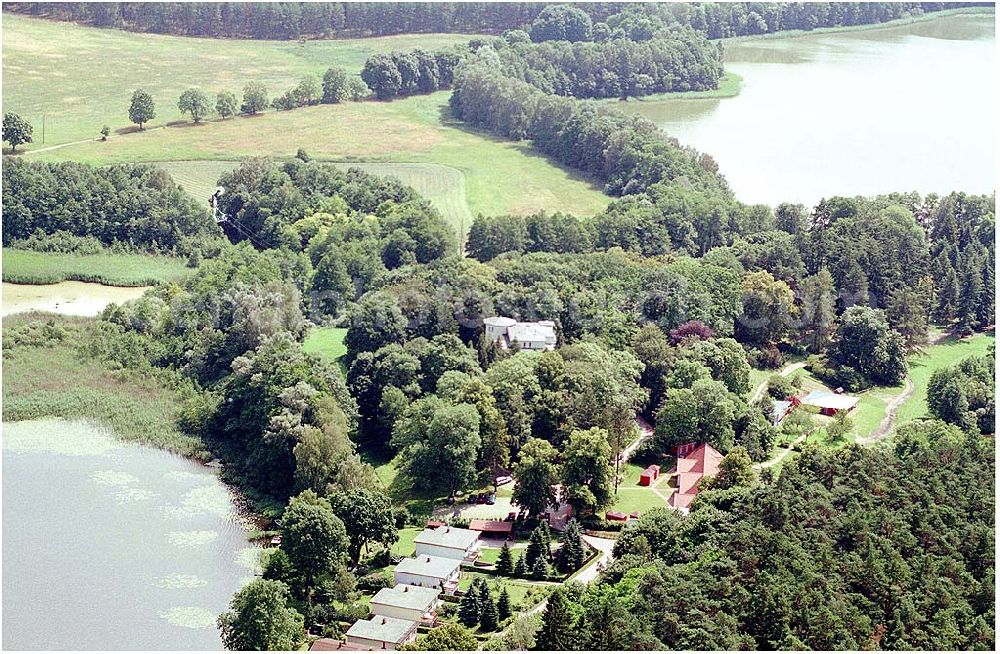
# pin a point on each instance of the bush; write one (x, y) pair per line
(767, 358)
(375, 582)
(836, 376)
(780, 387)
(401, 516)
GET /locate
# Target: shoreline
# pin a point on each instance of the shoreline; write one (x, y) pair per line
(899, 22)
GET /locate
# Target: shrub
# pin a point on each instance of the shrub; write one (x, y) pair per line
(375, 582)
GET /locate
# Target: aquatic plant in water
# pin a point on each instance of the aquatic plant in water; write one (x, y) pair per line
(58, 436)
(192, 617)
(191, 538)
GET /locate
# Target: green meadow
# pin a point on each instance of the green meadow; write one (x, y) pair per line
(81, 78)
(327, 342)
(922, 365)
(30, 267)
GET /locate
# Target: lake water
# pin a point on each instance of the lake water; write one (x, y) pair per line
(68, 298)
(109, 545)
(851, 113)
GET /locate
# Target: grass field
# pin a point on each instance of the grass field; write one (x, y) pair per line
(54, 381)
(443, 185)
(326, 341)
(499, 176)
(30, 267)
(81, 78)
(937, 356)
(633, 497)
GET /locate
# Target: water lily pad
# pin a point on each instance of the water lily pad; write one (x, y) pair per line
(181, 581)
(192, 617)
(58, 436)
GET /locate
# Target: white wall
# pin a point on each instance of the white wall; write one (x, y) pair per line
(426, 549)
(397, 612)
(416, 580)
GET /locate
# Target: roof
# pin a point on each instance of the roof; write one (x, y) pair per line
(451, 537)
(380, 627)
(436, 567)
(492, 526)
(702, 461)
(826, 400)
(781, 407)
(499, 321)
(532, 332)
(651, 470)
(406, 597)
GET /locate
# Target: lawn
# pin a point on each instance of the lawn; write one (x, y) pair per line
(499, 176)
(327, 342)
(30, 267)
(633, 497)
(946, 353)
(52, 380)
(81, 78)
(405, 545)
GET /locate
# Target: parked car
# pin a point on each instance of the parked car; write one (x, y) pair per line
(491, 498)
(504, 479)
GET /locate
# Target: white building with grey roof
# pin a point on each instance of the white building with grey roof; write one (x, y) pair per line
(406, 602)
(428, 572)
(382, 632)
(505, 332)
(448, 542)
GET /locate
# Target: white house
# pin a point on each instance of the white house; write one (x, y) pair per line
(407, 603)
(448, 542)
(382, 632)
(428, 572)
(539, 335)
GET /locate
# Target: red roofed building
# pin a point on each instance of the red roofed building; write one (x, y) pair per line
(702, 461)
(493, 528)
(649, 475)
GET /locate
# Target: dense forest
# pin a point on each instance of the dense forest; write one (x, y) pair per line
(288, 20)
(859, 549)
(131, 204)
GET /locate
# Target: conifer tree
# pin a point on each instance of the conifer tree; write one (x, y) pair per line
(521, 567)
(505, 562)
(490, 616)
(470, 608)
(504, 609)
(540, 570)
(571, 555)
(557, 632)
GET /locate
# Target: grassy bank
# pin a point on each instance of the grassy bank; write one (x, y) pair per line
(729, 86)
(30, 267)
(81, 78)
(500, 176)
(909, 20)
(45, 376)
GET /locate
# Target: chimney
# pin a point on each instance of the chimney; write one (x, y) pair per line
(428, 559)
(406, 589)
(384, 621)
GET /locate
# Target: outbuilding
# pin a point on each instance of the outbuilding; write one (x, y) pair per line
(493, 528)
(830, 404)
(649, 475)
(382, 632)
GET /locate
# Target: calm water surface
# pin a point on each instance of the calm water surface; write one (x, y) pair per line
(68, 298)
(853, 113)
(113, 546)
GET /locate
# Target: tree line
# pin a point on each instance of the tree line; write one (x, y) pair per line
(137, 205)
(288, 20)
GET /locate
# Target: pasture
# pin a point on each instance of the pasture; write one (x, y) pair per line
(499, 176)
(112, 269)
(81, 78)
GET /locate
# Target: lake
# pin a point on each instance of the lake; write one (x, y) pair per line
(108, 545)
(901, 108)
(68, 298)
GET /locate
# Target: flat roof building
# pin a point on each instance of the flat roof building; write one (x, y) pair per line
(382, 632)
(428, 572)
(407, 602)
(448, 542)
(830, 404)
